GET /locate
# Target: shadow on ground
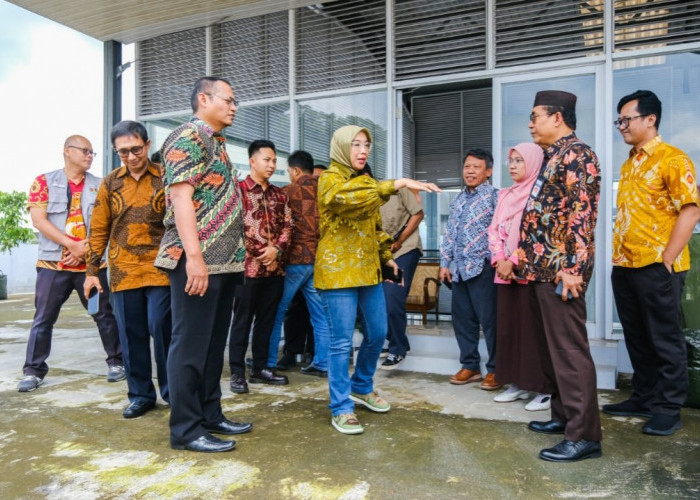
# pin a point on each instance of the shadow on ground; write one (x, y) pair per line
(68, 439)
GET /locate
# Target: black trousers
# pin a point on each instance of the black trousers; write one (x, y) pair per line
(52, 290)
(196, 356)
(255, 304)
(648, 302)
(298, 331)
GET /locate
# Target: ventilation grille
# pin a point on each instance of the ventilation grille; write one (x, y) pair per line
(438, 38)
(641, 24)
(407, 136)
(340, 45)
(168, 66)
(543, 30)
(446, 127)
(253, 55)
(438, 139)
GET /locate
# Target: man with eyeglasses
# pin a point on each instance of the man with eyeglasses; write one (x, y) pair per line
(60, 205)
(203, 252)
(556, 247)
(657, 209)
(127, 222)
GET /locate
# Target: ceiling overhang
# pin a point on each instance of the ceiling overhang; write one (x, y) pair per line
(129, 21)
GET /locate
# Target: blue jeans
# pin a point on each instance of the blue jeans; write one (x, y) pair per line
(142, 313)
(342, 307)
(301, 276)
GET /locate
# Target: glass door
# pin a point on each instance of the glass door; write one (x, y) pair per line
(513, 99)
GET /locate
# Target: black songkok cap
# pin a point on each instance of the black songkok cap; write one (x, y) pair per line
(555, 98)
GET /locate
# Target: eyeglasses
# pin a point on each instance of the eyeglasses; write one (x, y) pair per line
(361, 145)
(625, 122)
(514, 161)
(136, 151)
(231, 101)
(534, 117)
(86, 151)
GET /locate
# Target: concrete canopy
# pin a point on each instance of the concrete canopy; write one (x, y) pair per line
(130, 21)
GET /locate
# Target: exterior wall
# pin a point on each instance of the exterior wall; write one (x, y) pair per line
(20, 267)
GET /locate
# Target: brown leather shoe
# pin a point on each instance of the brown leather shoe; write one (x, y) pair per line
(465, 376)
(489, 383)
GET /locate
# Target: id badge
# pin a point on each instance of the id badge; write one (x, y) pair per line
(536, 188)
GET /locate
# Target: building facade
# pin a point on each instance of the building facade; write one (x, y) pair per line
(432, 79)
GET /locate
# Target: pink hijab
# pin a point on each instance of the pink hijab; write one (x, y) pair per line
(511, 200)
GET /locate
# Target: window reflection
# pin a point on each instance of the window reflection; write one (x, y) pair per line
(319, 118)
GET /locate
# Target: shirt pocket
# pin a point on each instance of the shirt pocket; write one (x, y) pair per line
(57, 207)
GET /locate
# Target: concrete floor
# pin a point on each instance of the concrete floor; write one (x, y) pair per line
(68, 440)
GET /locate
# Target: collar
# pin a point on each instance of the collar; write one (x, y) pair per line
(205, 126)
(478, 189)
(649, 147)
(251, 184)
(553, 149)
(151, 169)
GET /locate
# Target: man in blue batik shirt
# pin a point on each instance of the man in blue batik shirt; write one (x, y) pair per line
(465, 261)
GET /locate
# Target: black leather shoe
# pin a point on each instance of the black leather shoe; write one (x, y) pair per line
(229, 428)
(571, 451)
(238, 384)
(662, 425)
(138, 408)
(627, 408)
(312, 370)
(267, 376)
(206, 444)
(549, 427)
(286, 362)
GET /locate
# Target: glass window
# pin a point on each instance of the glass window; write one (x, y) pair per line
(517, 99)
(270, 121)
(675, 79)
(319, 118)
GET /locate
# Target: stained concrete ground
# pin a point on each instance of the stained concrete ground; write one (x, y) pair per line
(68, 440)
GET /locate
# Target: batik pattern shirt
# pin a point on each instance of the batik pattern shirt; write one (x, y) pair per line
(128, 218)
(304, 206)
(194, 153)
(465, 247)
(353, 246)
(268, 222)
(558, 225)
(655, 183)
(75, 225)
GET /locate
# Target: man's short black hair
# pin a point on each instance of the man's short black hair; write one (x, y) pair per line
(481, 154)
(128, 128)
(647, 104)
(259, 144)
(204, 85)
(567, 114)
(303, 160)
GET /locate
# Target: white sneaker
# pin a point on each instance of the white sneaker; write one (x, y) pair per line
(513, 393)
(541, 402)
